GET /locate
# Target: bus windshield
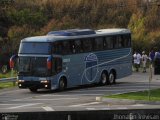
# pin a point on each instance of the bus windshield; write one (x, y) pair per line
(34, 48)
(35, 66)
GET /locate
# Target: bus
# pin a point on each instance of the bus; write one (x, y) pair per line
(74, 57)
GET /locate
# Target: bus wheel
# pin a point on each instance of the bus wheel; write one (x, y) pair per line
(32, 89)
(111, 78)
(104, 79)
(62, 84)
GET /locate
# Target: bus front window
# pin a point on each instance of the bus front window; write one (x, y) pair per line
(37, 66)
(34, 48)
(24, 66)
(34, 66)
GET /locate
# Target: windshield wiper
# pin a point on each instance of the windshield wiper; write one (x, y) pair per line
(24, 73)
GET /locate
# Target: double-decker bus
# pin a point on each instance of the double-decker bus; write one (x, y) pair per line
(69, 58)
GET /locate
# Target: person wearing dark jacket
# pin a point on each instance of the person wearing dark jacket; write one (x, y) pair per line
(157, 63)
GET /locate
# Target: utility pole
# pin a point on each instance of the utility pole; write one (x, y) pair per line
(149, 82)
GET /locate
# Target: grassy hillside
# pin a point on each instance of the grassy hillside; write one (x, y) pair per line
(36, 17)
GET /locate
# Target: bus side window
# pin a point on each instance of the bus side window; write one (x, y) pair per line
(98, 44)
(126, 40)
(87, 44)
(72, 47)
(66, 47)
(78, 46)
(121, 42)
(57, 48)
(125, 44)
(108, 42)
(116, 42)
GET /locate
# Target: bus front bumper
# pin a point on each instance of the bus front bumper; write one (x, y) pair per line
(36, 84)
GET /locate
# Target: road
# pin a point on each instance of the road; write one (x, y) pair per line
(22, 100)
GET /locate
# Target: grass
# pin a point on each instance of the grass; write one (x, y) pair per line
(6, 85)
(142, 95)
(7, 75)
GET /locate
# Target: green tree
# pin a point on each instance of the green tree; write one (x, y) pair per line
(137, 27)
(17, 33)
(26, 16)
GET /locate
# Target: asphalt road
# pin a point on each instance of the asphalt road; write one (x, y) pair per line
(84, 98)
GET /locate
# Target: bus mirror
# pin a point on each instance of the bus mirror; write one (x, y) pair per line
(49, 62)
(12, 61)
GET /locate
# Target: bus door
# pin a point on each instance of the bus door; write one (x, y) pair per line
(72, 70)
(57, 65)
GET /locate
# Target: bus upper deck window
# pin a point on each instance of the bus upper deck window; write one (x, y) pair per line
(78, 46)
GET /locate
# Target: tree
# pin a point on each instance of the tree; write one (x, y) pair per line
(17, 33)
(137, 27)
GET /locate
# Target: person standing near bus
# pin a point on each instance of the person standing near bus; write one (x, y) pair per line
(157, 63)
(151, 56)
(137, 60)
(144, 61)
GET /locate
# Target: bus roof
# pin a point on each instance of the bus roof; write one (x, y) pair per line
(68, 35)
(72, 32)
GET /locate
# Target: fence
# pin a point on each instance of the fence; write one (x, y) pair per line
(12, 79)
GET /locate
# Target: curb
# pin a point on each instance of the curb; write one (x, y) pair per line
(115, 101)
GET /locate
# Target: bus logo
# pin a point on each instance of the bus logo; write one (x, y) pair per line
(91, 62)
(91, 57)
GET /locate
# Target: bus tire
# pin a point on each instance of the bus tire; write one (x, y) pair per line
(112, 78)
(62, 84)
(33, 89)
(104, 78)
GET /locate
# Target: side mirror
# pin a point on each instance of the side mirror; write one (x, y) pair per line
(12, 61)
(49, 63)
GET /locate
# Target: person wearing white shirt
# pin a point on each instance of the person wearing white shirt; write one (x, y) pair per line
(137, 60)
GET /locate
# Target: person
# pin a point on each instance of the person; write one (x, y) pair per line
(137, 60)
(157, 55)
(157, 63)
(151, 56)
(144, 61)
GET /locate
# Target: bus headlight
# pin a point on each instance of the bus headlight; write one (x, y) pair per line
(44, 81)
(20, 81)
